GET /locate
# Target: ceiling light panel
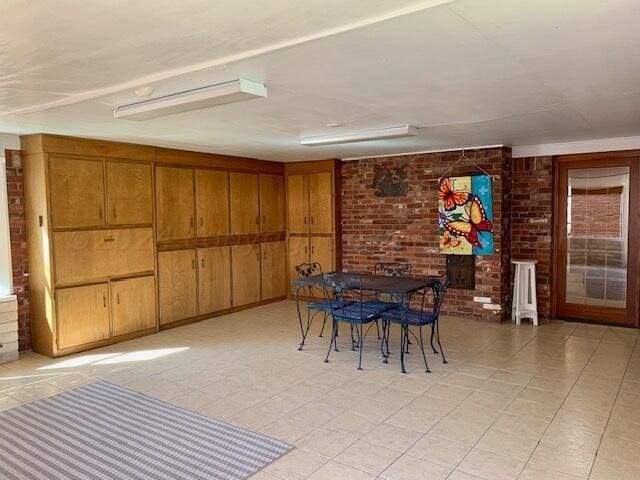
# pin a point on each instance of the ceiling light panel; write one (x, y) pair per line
(364, 136)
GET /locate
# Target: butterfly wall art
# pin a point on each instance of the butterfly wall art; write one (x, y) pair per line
(465, 215)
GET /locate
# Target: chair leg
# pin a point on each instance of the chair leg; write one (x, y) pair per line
(432, 333)
(361, 346)
(444, 359)
(403, 340)
(333, 339)
(384, 336)
(324, 322)
(423, 354)
(378, 328)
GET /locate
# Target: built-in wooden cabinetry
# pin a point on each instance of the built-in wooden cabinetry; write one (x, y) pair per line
(313, 212)
(126, 239)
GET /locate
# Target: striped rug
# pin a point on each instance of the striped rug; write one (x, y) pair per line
(103, 431)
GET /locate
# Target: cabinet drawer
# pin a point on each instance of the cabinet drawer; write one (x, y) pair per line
(86, 256)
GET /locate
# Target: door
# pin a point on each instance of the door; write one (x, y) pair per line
(175, 203)
(212, 203)
(133, 305)
(322, 252)
(214, 279)
(272, 203)
(82, 315)
(129, 199)
(298, 254)
(298, 203)
(597, 240)
(177, 285)
(321, 202)
(245, 271)
(273, 270)
(77, 192)
(245, 203)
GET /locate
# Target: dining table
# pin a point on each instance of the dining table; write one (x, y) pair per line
(398, 288)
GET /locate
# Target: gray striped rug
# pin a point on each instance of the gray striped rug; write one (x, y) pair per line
(102, 431)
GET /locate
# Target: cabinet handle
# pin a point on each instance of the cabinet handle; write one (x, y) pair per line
(110, 239)
(258, 220)
(264, 255)
(114, 212)
(201, 221)
(258, 256)
(311, 219)
(305, 249)
(193, 264)
(305, 219)
(100, 213)
(118, 298)
(313, 249)
(191, 222)
(202, 262)
(104, 301)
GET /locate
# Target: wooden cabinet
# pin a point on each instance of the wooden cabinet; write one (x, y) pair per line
(177, 285)
(175, 203)
(90, 255)
(298, 203)
(129, 195)
(321, 202)
(212, 203)
(321, 251)
(298, 253)
(214, 279)
(245, 272)
(272, 203)
(133, 305)
(77, 192)
(273, 270)
(82, 315)
(244, 194)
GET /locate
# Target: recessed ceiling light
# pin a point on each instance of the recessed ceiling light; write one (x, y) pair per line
(144, 91)
(197, 98)
(365, 136)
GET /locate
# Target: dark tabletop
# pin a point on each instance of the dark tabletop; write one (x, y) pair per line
(372, 283)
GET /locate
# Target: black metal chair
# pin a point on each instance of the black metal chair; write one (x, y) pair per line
(322, 305)
(357, 314)
(407, 317)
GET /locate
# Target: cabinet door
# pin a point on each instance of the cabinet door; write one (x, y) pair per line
(129, 200)
(82, 315)
(272, 203)
(321, 202)
(214, 279)
(133, 305)
(177, 285)
(244, 203)
(298, 203)
(298, 253)
(273, 270)
(175, 203)
(90, 255)
(212, 203)
(322, 252)
(245, 271)
(77, 192)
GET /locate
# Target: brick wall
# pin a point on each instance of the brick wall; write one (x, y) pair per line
(532, 221)
(404, 229)
(18, 235)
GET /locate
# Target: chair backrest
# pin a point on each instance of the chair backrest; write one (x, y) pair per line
(392, 269)
(439, 292)
(337, 288)
(308, 269)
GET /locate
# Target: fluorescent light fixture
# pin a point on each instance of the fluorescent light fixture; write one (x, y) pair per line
(366, 136)
(195, 99)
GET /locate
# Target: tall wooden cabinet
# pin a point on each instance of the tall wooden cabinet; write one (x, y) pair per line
(313, 211)
(125, 240)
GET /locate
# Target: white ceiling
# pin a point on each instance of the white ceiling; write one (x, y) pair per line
(467, 72)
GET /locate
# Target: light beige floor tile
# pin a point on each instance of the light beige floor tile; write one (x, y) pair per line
(337, 471)
(491, 466)
(352, 423)
(521, 425)
(458, 475)
(514, 446)
(607, 469)
(326, 442)
(409, 468)
(458, 430)
(565, 460)
(439, 450)
(367, 457)
(296, 465)
(390, 436)
(532, 472)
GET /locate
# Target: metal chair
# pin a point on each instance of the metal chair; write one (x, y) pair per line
(357, 315)
(321, 306)
(407, 317)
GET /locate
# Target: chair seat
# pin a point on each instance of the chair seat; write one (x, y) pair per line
(411, 316)
(380, 304)
(326, 305)
(358, 313)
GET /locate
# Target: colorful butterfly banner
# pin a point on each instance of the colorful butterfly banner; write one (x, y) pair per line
(465, 215)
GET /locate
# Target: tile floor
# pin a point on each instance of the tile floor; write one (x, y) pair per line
(561, 401)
